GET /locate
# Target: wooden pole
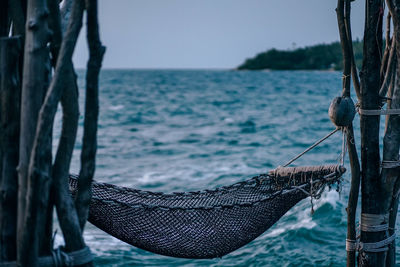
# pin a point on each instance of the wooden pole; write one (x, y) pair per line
(370, 160)
(389, 176)
(10, 92)
(391, 142)
(31, 235)
(343, 17)
(89, 141)
(65, 209)
(34, 85)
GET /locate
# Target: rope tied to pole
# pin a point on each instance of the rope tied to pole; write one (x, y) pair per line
(379, 246)
(317, 194)
(311, 147)
(372, 223)
(390, 164)
(378, 112)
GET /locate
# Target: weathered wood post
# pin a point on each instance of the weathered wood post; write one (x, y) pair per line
(10, 91)
(343, 17)
(34, 85)
(380, 182)
(26, 120)
(371, 199)
(390, 174)
(89, 140)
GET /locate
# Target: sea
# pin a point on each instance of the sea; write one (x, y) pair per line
(188, 130)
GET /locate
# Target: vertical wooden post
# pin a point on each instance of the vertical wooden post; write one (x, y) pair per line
(343, 17)
(391, 142)
(34, 85)
(26, 119)
(89, 140)
(65, 206)
(370, 160)
(390, 176)
(10, 92)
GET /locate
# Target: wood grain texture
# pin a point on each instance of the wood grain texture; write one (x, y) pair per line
(34, 85)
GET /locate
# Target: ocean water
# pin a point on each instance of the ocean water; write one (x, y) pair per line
(185, 130)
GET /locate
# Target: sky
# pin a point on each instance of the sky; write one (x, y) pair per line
(210, 34)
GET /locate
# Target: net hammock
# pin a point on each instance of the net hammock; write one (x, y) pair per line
(204, 224)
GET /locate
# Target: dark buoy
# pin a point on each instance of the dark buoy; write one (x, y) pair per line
(342, 111)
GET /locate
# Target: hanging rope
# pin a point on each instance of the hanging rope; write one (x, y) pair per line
(317, 194)
(344, 146)
(311, 147)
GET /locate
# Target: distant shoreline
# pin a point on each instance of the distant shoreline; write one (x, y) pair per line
(317, 57)
(204, 69)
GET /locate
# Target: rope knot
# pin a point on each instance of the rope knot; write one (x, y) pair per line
(60, 258)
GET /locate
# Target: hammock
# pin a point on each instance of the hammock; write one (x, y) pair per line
(204, 224)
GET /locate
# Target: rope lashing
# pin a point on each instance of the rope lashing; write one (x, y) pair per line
(313, 194)
(344, 79)
(60, 258)
(390, 164)
(372, 223)
(351, 245)
(378, 112)
(379, 246)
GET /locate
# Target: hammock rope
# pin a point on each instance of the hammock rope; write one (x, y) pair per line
(311, 147)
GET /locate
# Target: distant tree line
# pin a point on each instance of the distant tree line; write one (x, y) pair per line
(317, 57)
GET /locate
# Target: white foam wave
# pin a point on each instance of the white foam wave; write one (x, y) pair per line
(116, 107)
(303, 214)
(328, 197)
(229, 120)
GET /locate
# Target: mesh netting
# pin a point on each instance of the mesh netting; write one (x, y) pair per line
(204, 224)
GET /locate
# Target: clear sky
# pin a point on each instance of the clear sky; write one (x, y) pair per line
(210, 33)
